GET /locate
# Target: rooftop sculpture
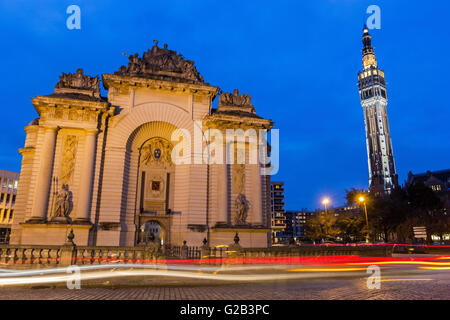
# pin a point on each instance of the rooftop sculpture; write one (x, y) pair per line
(235, 99)
(161, 64)
(78, 81)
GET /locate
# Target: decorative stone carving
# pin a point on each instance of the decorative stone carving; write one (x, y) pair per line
(59, 113)
(157, 152)
(73, 115)
(156, 186)
(235, 99)
(78, 81)
(239, 178)
(197, 227)
(70, 238)
(109, 225)
(34, 122)
(242, 206)
(62, 204)
(68, 159)
(161, 63)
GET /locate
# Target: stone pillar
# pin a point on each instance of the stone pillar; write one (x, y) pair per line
(39, 211)
(257, 218)
(68, 251)
(184, 250)
(223, 193)
(84, 199)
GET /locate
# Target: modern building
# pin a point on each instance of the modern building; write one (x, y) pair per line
(278, 223)
(303, 217)
(354, 209)
(438, 181)
(149, 161)
(373, 96)
(295, 222)
(8, 184)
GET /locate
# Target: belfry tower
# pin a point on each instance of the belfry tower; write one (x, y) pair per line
(372, 92)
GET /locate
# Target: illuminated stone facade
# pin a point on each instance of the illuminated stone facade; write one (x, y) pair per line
(103, 166)
(8, 192)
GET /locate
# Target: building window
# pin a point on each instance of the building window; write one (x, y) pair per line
(436, 187)
(16, 183)
(10, 183)
(4, 182)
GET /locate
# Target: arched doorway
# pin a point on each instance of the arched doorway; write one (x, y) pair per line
(152, 231)
(156, 172)
(156, 176)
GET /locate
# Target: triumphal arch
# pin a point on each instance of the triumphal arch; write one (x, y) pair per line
(151, 162)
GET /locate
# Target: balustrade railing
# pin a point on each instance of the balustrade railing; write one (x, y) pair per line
(42, 256)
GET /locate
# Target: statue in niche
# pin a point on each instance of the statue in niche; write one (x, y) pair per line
(242, 207)
(62, 203)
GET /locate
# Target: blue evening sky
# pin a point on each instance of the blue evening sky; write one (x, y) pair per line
(297, 59)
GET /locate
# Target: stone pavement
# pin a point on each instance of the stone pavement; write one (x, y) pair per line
(326, 289)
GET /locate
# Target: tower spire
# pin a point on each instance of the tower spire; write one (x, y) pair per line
(369, 59)
(373, 96)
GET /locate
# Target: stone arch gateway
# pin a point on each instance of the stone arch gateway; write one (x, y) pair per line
(114, 155)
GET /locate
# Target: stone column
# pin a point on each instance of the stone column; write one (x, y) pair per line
(222, 190)
(257, 196)
(40, 202)
(87, 173)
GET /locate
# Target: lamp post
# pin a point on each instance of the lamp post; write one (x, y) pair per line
(363, 200)
(325, 202)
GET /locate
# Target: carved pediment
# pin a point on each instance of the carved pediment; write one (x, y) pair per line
(161, 64)
(78, 82)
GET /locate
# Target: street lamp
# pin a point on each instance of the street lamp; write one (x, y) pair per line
(325, 202)
(361, 199)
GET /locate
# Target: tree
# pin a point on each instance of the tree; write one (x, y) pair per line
(321, 227)
(392, 217)
(352, 227)
(427, 209)
(353, 195)
(387, 213)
